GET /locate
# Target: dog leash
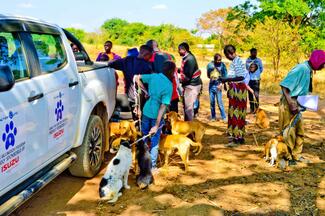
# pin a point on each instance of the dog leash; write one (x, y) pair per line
(144, 137)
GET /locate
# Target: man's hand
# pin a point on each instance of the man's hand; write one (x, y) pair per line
(293, 107)
(153, 130)
(219, 87)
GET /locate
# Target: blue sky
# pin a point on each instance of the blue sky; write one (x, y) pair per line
(90, 15)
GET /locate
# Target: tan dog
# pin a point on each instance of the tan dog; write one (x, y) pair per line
(123, 130)
(262, 119)
(277, 151)
(186, 128)
(168, 143)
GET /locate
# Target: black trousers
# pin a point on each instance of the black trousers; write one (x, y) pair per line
(255, 85)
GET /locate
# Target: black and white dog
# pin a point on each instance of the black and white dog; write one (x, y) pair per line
(116, 175)
(145, 178)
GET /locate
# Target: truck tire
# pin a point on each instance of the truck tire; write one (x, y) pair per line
(90, 153)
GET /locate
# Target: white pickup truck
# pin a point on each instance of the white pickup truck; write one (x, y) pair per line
(54, 109)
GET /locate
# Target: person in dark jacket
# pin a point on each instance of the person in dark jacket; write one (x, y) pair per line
(190, 79)
(130, 66)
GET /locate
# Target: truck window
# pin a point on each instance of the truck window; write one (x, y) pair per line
(11, 54)
(50, 52)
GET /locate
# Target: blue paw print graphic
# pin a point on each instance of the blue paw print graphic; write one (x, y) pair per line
(9, 135)
(59, 110)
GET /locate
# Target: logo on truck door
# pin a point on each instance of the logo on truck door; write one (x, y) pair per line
(8, 137)
(59, 109)
(13, 142)
(58, 119)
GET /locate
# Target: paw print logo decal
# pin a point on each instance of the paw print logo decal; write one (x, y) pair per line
(59, 110)
(8, 137)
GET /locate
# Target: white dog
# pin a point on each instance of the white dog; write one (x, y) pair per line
(116, 175)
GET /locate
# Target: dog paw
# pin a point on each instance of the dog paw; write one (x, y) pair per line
(127, 187)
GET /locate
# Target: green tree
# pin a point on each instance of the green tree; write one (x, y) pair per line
(277, 40)
(78, 33)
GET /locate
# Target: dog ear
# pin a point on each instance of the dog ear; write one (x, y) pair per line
(179, 116)
(125, 143)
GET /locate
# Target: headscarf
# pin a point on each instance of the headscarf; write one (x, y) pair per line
(317, 58)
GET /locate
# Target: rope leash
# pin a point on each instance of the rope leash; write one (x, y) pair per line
(145, 137)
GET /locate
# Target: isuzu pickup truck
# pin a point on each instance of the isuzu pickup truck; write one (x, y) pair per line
(55, 105)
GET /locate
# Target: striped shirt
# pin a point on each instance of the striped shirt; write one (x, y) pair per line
(237, 69)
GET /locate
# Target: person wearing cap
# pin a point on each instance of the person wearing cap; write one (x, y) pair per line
(298, 82)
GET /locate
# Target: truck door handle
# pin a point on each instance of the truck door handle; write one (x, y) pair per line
(73, 84)
(35, 97)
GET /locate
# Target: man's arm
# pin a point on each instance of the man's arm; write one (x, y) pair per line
(189, 68)
(261, 65)
(293, 106)
(117, 64)
(161, 113)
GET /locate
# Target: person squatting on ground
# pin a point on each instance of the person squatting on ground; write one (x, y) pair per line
(255, 77)
(298, 82)
(190, 79)
(130, 66)
(108, 55)
(216, 69)
(237, 95)
(160, 93)
(157, 60)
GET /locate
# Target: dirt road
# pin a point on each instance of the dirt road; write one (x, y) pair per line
(220, 181)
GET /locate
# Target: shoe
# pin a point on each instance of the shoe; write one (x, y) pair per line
(303, 160)
(292, 163)
(225, 120)
(212, 119)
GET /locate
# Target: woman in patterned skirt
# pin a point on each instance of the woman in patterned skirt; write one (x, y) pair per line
(237, 95)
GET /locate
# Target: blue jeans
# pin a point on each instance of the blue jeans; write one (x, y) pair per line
(214, 92)
(146, 124)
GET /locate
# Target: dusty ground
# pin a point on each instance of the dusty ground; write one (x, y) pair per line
(220, 181)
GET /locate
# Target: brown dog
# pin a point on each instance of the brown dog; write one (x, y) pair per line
(123, 130)
(277, 151)
(168, 143)
(262, 119)
(186, 128)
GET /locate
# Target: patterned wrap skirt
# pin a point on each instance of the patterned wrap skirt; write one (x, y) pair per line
(237, 95)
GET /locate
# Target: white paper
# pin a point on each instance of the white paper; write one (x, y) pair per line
(309, 101)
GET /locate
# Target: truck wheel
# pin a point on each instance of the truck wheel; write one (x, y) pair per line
(90, 153)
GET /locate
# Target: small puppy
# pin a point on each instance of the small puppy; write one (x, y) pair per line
(116, 175)
(168, 143)
(145, 178)
(186, 128)
(262, 119)
(276, 150)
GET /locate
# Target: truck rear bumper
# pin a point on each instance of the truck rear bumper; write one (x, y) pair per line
(15, 201)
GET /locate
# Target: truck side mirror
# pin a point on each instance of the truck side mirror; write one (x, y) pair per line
(79, 56)
(7, 79)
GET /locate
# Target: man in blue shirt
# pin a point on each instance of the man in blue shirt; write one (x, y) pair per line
(131, 66)
(160, 92)
(215, 70)
(255, 77)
